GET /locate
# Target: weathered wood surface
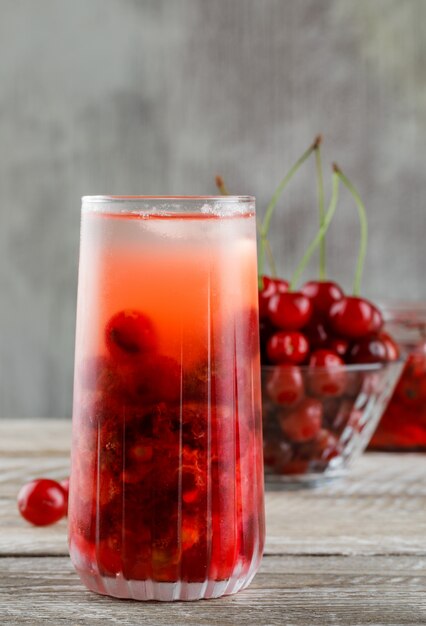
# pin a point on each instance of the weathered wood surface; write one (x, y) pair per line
(349, 553)
(288, 590)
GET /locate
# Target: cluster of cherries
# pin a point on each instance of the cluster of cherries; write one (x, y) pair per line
(320, 326)
(43, 501)
(306, 409)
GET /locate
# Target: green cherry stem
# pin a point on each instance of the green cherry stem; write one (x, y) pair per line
(320, 234)
(269, 254)
(362, 214)
(271, 207)
(220, 184)
(271, 259)
(321, 207)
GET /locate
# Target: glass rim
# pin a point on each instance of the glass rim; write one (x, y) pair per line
(170, 206)
(135, 199)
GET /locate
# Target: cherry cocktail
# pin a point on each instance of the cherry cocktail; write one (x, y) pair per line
(403, 425)
(166, 489)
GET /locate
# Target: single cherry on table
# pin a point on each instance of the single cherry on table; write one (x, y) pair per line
(42, 501)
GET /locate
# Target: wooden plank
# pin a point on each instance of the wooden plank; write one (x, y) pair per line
(17, 470)
(342, 526)
(45, 437)
(287, 590)
(17, 537)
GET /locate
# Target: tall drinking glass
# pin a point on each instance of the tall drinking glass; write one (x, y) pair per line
(166, 490)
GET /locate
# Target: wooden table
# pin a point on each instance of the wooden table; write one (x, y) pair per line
(350, 553)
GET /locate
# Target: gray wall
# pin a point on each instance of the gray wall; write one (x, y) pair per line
(155, 97)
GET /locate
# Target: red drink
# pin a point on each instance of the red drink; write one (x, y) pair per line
(403, 425)
(166, 492)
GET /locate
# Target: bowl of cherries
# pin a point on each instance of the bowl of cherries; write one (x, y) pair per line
(328, 372)
(328, 366)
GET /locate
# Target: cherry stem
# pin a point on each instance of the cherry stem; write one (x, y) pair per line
(320, 191)
(264, 230)
(271, 259)
(320, 234)
(362, 214)
(269, 254)
(220, 184)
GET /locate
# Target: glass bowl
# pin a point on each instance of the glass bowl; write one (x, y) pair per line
(403, 425)
(317, 421)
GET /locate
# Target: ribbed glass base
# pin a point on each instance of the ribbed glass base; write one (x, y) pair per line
(119, 587)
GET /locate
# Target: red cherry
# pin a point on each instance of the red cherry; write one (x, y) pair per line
(323, 295)
(303, 423)
(376, 320)
(129, 334)
(42, 502)
(326, 446)
(373, 349)
(325, 358)
(265, 331)
(327, 376)
(287, 347)
(316, 334)
(391, 345)
(269, 452)
(285, 385)
(158, 379)
(353, 317)
(339, 345)
(139, 455)
(295, 467)
(290, 311)
(109, 554)
(270, 287)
